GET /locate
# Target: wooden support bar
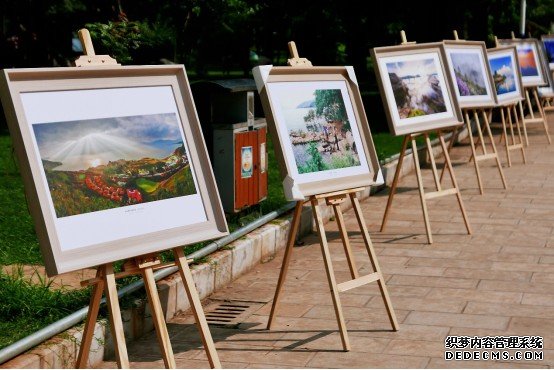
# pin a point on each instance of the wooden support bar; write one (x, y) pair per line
(505, 136)
(473, 151)
(454, 182)
(432, 160)
(543, 116)
(330, 274)
(358, 282)
(285, 264)
(395, 182)
(345, 241)
(90, 322)
(422, 193)
(158, 318)
(489, 133)
(196, 305)
(373, 259)
(338, 193)
(484, 157)
(441, 193)
(116, 323)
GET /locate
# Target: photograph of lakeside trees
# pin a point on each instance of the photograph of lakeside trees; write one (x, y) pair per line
(319, 130)
(98, 164)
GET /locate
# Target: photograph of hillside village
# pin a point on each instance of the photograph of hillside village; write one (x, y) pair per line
(98, 164)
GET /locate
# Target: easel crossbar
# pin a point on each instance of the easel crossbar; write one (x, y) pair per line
(355, 283)
(484, 157)
(441, 193)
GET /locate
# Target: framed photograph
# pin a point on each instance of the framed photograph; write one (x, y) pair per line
(416, 88)
(529, 58)
(548, 43)
(469, 68)
(113, 161)
(504, 66)
(319, 127)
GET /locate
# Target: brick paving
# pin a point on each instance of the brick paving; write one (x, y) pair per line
(498, 281)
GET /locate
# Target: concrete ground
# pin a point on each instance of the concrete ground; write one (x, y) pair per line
(497, 282)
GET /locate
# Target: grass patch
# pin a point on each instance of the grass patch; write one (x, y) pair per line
(146, 185)
(27, 307)
(18, 240)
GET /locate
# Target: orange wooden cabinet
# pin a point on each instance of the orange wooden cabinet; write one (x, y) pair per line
(240, 164)
(235, 140)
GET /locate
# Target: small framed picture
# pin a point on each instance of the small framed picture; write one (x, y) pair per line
(416, 88)
(548, 43)
(113, 161)
(529, 58)
(504, 66)
(469, 68)
(318, 123)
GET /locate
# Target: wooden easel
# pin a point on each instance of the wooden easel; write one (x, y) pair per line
(440, 192)
(334, 199)
(144, 266)
(531, 90)
(478, 157)
(506, 116)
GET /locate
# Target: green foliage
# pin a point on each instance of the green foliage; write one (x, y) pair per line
(330, 105)
(125, 40)
(18, 240)
(29, 306)
(342, 161)
(315, 163)
(416, 113)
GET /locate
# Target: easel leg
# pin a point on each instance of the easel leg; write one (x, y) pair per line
(330, 274)
(432, 160)
(286, 259)
(455, 184)
(116, 323)
(541, 111)
(519, 134)
(373, 260)
(90, 323)
(158, 318)
(505, 135)
(473, 152)
(422, 192)
(523, 123)
(450, 145)
(394, 182)
(197, 309)
(498, 164)
(345, 241)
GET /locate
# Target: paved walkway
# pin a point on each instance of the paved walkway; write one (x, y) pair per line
(498, 281)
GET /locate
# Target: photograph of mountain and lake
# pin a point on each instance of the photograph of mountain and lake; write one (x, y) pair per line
(98, 164)
(416, 87)
(470, 76)
(319, 130)
(502, 69)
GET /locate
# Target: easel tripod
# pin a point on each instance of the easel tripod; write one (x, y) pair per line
(105, 282)
(334, 199)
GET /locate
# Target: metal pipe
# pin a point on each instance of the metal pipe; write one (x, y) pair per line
(30, 341)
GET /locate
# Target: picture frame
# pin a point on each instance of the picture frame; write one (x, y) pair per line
(546, 52)
(469, 68)
(504, 66)
(421, 98)
(531, 66)
(319, 128)
(548, 43)
(113, 162)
